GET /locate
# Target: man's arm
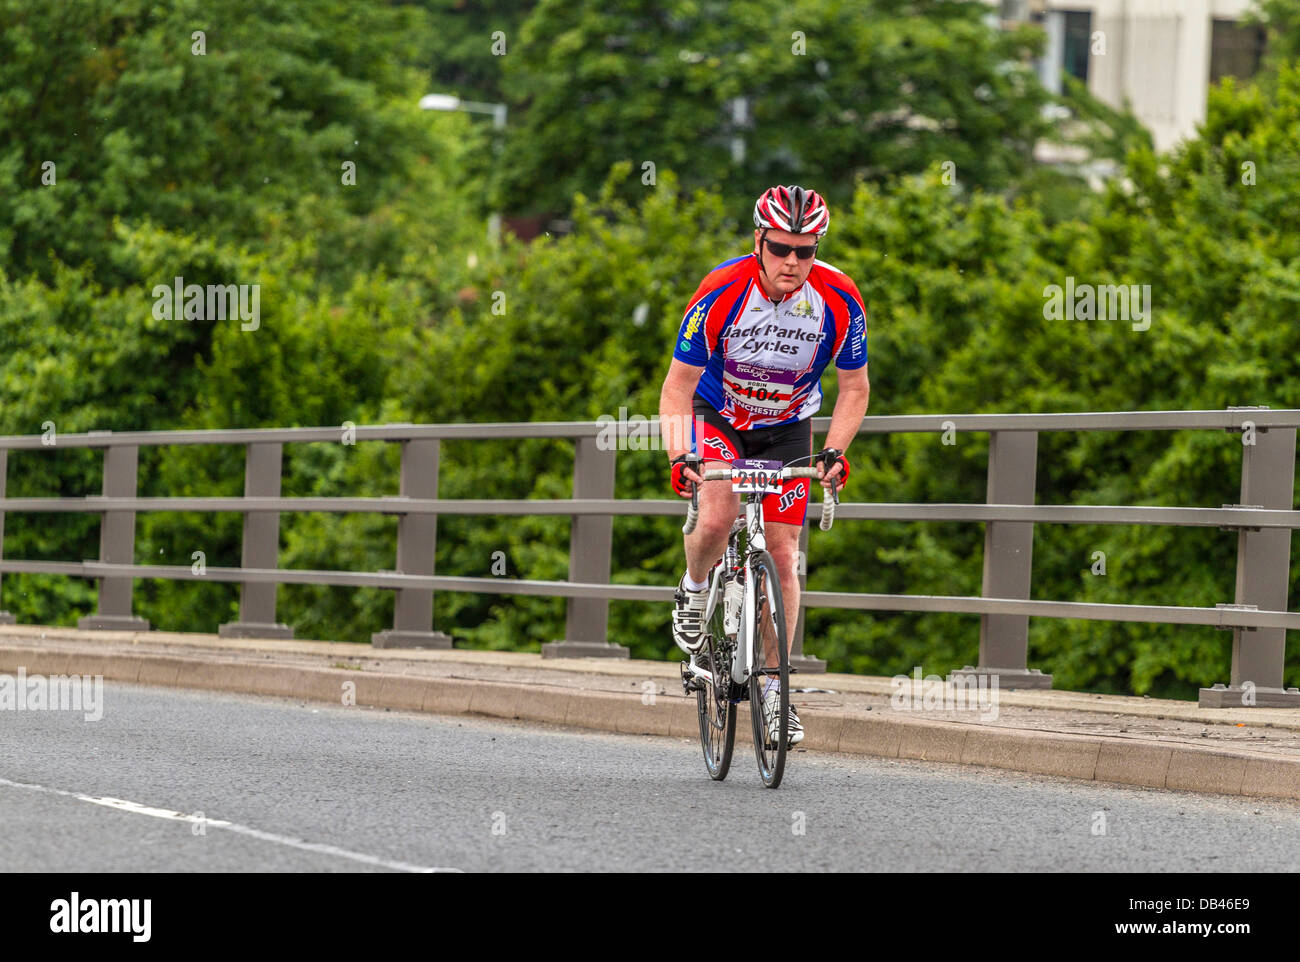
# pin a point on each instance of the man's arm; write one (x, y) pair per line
(850, 406)
(676, 409)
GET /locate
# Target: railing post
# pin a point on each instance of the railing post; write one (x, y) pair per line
(416, 543)
(261, 548)
(1008, 562)
(590, 547)
(5, 617)
(798, 659)
(117, 544)
(1263, 575)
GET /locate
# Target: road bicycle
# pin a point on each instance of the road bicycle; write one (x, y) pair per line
(744, 624)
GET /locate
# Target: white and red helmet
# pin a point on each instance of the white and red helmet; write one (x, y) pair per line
(792, 209)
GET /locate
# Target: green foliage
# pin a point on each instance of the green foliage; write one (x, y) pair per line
(468, 42)
(241, 142)
(222, 159)
(837, 92)
(380, 303)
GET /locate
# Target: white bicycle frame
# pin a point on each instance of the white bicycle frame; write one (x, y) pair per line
(742, 658)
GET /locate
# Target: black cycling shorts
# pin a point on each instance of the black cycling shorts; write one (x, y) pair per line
(716, 440)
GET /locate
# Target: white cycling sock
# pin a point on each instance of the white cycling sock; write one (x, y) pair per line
(772, 683)
(691, 585)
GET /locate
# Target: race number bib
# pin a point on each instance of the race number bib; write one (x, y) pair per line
(758, 389)
(752, 476)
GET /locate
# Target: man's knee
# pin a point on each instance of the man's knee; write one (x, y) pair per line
(715, 522)
(712, 530)
(716, 518)
(785, 557)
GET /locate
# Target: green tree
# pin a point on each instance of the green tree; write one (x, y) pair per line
(467, 43)
(226, 143)
(835, 92)
(241, 134)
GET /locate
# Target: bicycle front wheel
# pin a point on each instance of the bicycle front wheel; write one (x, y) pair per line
(766, 637)
(716, 710)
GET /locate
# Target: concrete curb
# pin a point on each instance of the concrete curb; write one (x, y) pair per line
(209, 646)
(1089, 757)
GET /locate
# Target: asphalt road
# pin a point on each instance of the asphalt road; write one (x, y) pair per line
(288, 786)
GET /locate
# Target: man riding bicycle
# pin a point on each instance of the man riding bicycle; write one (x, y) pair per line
(746, 374)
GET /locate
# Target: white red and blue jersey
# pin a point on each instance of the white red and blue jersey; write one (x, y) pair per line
(763, 360)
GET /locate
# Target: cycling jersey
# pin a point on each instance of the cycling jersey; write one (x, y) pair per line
(763, 360)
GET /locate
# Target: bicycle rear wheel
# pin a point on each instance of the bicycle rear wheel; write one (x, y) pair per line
(766, 632)
(716, 711)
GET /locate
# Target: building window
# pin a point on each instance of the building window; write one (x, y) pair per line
(1078, 35)
(1235, 49)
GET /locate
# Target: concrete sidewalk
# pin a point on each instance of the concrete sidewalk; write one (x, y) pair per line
(1135, 741)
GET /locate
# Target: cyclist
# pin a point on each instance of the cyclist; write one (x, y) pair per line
(746, 375)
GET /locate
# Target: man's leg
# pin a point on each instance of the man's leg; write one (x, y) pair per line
(704, 547)
(783, 546)
(718, 509)
(714, 440)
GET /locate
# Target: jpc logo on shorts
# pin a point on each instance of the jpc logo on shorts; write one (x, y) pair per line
(791, 496)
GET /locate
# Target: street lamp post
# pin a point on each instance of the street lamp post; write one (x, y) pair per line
(498, 112)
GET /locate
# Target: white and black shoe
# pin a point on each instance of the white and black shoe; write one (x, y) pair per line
(688, 617)
(772, 712)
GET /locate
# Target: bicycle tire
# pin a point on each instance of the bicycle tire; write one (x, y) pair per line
(769, 623)
(716, 710)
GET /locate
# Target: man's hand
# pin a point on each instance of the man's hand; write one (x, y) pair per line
(839, 468)
(684, 470)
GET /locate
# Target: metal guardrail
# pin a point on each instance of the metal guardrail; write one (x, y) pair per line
(1258, 616)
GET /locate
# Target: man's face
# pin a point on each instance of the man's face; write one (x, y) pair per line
(785, 274)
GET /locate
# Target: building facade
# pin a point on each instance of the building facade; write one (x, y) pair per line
(1158, 55)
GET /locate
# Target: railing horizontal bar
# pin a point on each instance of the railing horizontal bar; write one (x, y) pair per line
(875, 424)
(1043, 514)
(1159, 614)
(72, 569)
(1071, 514)
(395, 505)
(1089, 421)
(1088, 611)
(354, 579)
(378, 432)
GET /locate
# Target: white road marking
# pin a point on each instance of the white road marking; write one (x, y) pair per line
(136, 808)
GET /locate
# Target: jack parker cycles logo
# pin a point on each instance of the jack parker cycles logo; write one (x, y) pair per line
(76, 915)
(83, 693)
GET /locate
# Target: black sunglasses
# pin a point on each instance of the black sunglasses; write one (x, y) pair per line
(783, 250)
